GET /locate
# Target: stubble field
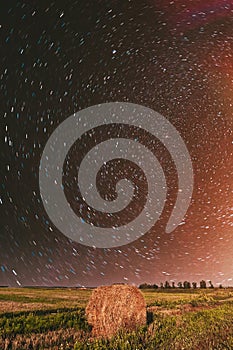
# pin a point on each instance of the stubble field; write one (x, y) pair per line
(32, 318)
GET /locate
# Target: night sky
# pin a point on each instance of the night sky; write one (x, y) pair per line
(175, 57)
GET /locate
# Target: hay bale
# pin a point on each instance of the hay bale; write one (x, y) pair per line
(116, 307)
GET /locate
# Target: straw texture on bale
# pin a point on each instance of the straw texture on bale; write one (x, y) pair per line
(114, 308)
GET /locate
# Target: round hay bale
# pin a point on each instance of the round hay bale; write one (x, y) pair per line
(116, 307)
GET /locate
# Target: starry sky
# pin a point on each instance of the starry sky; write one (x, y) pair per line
(175, 57)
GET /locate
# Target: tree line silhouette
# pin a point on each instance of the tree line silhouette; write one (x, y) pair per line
(180, 285)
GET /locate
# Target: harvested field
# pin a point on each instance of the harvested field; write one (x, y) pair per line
(55, 319)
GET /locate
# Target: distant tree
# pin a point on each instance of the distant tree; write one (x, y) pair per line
(220, 286)
(203, 284)
(167, 285)
(211, 284)
(173, 285)
(148, 286)
(187, 285)
(161, 285)
(180, 285)
(194, 284)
